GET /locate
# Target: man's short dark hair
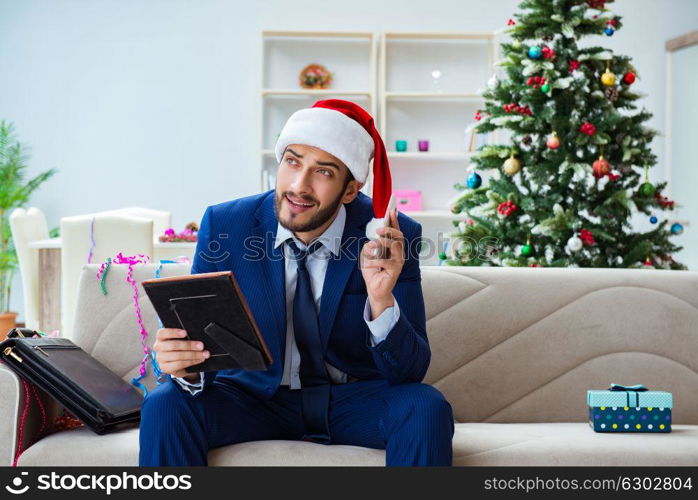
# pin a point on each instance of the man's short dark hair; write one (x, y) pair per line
(348, 179)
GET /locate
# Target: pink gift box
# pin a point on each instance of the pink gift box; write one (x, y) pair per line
(407, 200)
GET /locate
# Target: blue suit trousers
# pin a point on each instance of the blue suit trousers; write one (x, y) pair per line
(413, 422)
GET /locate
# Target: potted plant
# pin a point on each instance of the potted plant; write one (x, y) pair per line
(14, 192)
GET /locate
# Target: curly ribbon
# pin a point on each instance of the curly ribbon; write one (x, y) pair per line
(103, 270)
(23, 419)
(92, 239)
(131, 261)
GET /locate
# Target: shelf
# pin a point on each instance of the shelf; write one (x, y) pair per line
(317, 34)
(432, 95)
(444, 214)
(417, 155)
(397, 35)
(305, 92)
(429, 155)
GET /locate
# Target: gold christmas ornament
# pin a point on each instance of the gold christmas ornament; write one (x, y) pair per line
(511, 165)
(608, 78)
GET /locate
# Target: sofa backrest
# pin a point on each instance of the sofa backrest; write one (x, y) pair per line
(525, 344)
(508, 344)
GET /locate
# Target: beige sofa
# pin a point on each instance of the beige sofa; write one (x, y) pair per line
(513, 349)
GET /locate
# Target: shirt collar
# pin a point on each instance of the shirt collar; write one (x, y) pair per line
(331, 238)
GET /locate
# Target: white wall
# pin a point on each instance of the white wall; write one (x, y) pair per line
(683, 176)
(155, 102)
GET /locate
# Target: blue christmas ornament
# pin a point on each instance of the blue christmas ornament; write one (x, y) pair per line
(676, 228)
(609, 31)
(474, 180)
(534, 52)
(653, 219)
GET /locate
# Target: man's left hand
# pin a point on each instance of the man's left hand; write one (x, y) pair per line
(381, 274)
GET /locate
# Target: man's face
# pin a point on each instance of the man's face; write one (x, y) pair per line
(310, 186)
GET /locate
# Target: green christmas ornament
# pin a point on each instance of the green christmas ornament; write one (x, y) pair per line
(545, 88)
(442, 256)
(527, 249)
(647, 189)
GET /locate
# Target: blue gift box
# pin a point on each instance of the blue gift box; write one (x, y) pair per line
(629, 408)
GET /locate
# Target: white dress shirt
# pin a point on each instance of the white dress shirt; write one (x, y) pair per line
(316, 263)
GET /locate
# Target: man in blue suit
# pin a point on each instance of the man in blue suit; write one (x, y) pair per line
(337, 298)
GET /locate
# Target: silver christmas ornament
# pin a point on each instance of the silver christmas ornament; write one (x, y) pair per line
(574, 244)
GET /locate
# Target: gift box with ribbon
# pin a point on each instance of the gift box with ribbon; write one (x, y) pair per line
(629, 408)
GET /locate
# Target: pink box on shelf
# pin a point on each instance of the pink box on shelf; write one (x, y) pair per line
(407, 200)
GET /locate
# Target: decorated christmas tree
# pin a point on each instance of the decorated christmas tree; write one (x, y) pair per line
(565, 185)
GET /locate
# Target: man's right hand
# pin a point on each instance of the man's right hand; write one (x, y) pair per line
(175, 354)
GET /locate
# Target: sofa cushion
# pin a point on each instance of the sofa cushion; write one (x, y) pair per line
(473, 444)
(570, 443)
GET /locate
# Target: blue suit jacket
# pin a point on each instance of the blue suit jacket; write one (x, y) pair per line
(239, 236)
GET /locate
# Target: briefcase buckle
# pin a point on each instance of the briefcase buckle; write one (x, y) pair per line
(9, 352)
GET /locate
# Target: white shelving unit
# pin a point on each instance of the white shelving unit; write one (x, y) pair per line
(415, 105)
(351, 57)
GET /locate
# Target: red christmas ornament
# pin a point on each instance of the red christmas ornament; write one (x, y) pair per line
(613, 177)
(478, 115)
(573, 65)
(588, 129)
(511, 22)
(548, 53)
(586, 237)
(612, 22)
(553, 141)
(507, 208)
(597, 4)
(601, 167)
(629, 78)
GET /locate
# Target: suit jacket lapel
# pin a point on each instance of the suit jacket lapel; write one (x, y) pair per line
(268, 274)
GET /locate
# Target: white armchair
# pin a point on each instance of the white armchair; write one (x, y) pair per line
(162, 219)
(29, 225)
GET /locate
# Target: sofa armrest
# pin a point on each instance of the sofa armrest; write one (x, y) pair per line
(13, 398)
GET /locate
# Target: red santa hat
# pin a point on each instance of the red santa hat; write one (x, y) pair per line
(345, 130)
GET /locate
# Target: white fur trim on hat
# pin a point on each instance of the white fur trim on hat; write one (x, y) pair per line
(333, 132)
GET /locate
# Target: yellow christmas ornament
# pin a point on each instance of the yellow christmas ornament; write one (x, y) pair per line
(608, 78)
(511, 165)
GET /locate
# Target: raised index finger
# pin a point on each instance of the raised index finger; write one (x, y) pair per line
(391, 233)
(393, 219)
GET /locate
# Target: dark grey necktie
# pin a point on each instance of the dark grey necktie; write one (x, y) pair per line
(315, 381)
